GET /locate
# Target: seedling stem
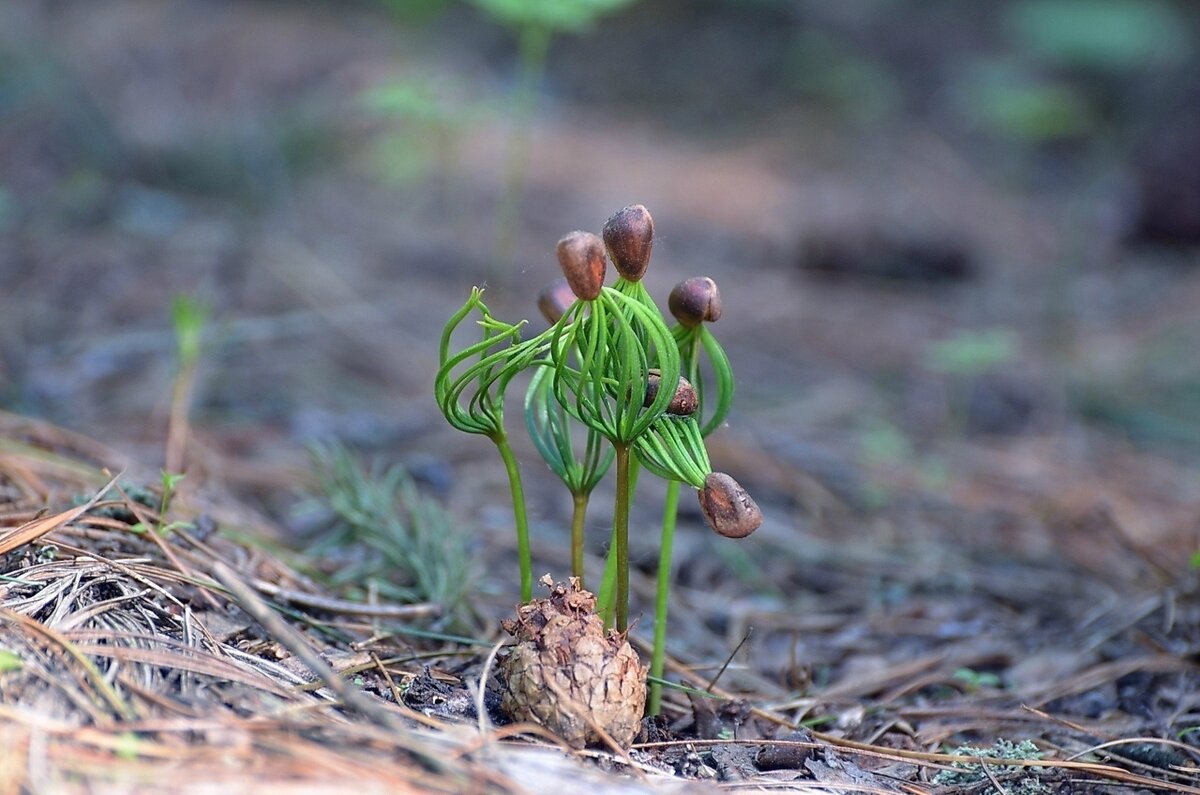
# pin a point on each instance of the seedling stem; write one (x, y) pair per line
(524, 557)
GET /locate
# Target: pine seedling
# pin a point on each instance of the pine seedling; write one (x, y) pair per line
(603, 362)
(484, 373)
(693, 302)
(169, 486)
(189, 317)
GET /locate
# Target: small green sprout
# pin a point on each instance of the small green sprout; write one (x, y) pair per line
(170, 485)
(973, 680)
(128, 746)
(383, 535)
(9, 661)
(189, 317)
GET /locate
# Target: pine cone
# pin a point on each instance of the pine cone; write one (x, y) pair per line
(569, 675)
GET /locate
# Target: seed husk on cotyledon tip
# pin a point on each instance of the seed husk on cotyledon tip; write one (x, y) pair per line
(683, 403)
(629, 237)
(555, 299)
(581, 256)
(694, 301)
(727, 507)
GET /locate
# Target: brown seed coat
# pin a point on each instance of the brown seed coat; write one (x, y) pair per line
(629, 236)
(727, 507)
(683, 403)
(694, 301)
(581, 257)
(555, 299)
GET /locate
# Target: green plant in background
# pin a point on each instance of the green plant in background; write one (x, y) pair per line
(1099, 34)
(1011, 99)
(428, 122)
(1044, 89)
(189, 317)
(535, 24)
(609, 368)
(1154, 398)
(384, 536)
(426, 128)
(837, 74)
(881, 442)
(974, 680)
(963, 358)
(9, 661)
(972, 353)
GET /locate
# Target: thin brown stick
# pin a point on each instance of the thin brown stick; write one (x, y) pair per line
(721, 671)
(992, 778)
(328, 604)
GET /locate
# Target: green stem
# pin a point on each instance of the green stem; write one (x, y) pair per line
(578, 515)
(621, 535)
(524, 557)
(533, 43)
(604, 599)
(662, 597)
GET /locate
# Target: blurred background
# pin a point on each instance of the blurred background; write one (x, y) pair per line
(957, 242)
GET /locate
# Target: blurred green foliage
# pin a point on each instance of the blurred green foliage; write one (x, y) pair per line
(1155, 398)
(881, 442)
(1099, 34)
(556, 15)
(972, 352)
(1008, 99)
(1157, 413)
(9, 661)
(424, 130)
(974, 680)
(189, 316)
(834, 72)
(1069, 67)
(8, 209)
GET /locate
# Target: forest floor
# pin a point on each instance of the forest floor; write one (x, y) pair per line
(968, 413)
